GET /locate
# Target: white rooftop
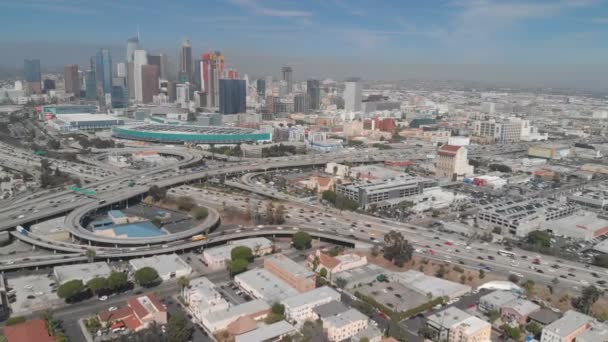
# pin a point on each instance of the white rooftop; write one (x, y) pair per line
(267, 332)
(310, 297)
(267, 285)
(162, 263)
(345, 318)
(234, 312)
(84, 272)
(223, 252)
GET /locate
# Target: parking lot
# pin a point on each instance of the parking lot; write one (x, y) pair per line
(33, 292)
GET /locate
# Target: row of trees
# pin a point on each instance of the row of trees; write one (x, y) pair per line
(75, 290)
(279, 150)
(275, 215)
(339, 201)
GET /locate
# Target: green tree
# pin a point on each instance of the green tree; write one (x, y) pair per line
(534, 329)
(601, 260)
(512, 332)
(513, 278)
(529, 287)
(323, 272)
(278, 308)
(177, 328)
(91, 253)
(482, 274)
(301, 240)
(493, 316)
(199, 213)
(157, 193)
(585, 302)
(237, 266)
(183, 283)
(341, 283)
(97, 284)
(270, 213)
(241, 252)
(146, 276)
(279, 215)
(364, 339)
(315, 263)
(185, 203)
(117, 280)
(540, 238)
(70, 289)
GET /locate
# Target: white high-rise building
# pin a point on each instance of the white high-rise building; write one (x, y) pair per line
(140, 58)
(182, 94)
(352, 96)
(121, 70)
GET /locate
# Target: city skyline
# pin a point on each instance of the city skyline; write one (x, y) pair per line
(487, 40)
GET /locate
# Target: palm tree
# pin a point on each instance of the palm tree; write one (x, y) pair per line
(91, 254)
(183, 282)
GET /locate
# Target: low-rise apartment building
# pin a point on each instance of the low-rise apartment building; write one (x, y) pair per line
(300, 308)
(344, 325)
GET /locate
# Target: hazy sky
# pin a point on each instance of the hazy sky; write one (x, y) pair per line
(364, 37)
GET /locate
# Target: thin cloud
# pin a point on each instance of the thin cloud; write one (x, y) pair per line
(255, 7)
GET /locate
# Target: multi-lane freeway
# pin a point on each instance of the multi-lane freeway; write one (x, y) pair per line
(321, 221)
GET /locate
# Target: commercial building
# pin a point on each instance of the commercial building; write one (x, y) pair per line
(103, 69)
(549, 151)
(140, 58)
(455, 325)
(71, 81)
(299, 308)
(212, 70)
(271, 332)
(139, 314)
(84, 272)
(185, 62)
(33, 78)
(574, 326)
(505, 131)
(495, 300)
(518, 311)
(368, 193)
(371, 333)
(90, 85)
(301, 103)
(261, 87)
(85, 122)
(233, 96)
(167, 265)
(220, 319)
(352, 96)
(337, 264)
(294, 274)
(425, 284)
(217, 257)
(287, 76)
(521, 218)
(261, 284)
(360, 275)
(34, 330)
(203, 298)
(582, 225)
(150, 82)
(344, 325)
(68, 109)
(452, 162)
(174, 134)
(592, 196)
(313, 90)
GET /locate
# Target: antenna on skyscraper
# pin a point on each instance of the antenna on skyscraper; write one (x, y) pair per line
(138, 38)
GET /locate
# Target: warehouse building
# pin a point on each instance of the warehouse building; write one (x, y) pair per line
(370, 192)
(167, 265)
(425, 284)
(294, 274)
(261, 284)
(85, 122)
(84, 272)
(582, 225)
(520, 218)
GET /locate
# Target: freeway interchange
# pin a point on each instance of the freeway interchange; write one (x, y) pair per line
(320, 221)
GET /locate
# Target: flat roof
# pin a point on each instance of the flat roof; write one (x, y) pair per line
(330, 309)
(312, 296)
(162, 263)
(189, 129)
(523, 306)
(426, 284)
(205, 291)
(345, 318)
(523, 210)
(571, 321)
(271, 288)
(296, 270)
(473, 324)
(237, 311)
(448, 317)
(223, 252)
(266, 332)
(574, 224)
(498, 298)
(84, 272)
(72, 117)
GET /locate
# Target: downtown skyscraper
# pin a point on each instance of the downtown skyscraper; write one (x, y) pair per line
(140, 58)
(185, 62)
(287, 76)
(71, 79)
(352, 95)
(132, 45)
(103, 70)
(212, 70)
(33, 77)
(313, 89)
(232, 96)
